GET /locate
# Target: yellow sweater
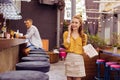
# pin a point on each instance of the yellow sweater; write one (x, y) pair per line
(75, 45)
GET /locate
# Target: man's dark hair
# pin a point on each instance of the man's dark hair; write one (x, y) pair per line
(28, 19)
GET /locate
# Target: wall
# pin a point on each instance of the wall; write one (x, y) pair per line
(108, 27)
(44, 17)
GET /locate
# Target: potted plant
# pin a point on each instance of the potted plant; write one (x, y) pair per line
(115, 43)
(96, 41)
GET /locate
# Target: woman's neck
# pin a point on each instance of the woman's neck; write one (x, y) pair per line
(75, 31)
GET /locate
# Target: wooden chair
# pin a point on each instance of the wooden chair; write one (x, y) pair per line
(45, 44)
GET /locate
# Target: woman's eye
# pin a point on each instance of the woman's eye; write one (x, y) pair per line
(72, 22)
(76, 22)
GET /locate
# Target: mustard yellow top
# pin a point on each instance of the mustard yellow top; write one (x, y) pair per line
(75, 45)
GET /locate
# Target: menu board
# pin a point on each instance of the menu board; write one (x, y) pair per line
(90, 50)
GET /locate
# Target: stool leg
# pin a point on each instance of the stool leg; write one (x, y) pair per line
(106, 73)
(98, 74)
(99, 77)
(118, 75)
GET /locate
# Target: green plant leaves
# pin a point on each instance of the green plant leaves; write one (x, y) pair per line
(96, 41)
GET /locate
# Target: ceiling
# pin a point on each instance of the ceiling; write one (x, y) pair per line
(96, 7)
(91, 8)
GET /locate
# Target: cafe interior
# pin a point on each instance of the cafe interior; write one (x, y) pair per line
(100, 21)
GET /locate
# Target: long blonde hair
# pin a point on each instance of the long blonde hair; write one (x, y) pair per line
(80, 30)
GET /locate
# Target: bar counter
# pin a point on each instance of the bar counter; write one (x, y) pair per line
(10, 50)
(109, 55)
(7, 43)
(91, 66)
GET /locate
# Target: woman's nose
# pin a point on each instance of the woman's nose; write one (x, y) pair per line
(74, 24)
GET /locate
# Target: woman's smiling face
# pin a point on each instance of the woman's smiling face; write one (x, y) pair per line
(75, 24)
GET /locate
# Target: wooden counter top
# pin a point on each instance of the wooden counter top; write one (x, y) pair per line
(110, 52)
(7, 43)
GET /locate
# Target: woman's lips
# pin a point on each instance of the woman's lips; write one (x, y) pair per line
(74, 27)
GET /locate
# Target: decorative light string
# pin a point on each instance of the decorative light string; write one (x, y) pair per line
(93, 22)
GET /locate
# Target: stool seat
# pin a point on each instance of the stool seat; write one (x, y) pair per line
(116, 69)
(24, 59)
(110, 63)
(107, 69)
(100, 60)
(37, 51)
(34, 65)
(24, 75)
(38, 55)
(115, 66)
(62, 54)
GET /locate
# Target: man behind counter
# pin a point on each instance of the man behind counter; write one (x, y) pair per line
(33, 37)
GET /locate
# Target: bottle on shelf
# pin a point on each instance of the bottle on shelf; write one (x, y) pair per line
(12, 34)
(4, 31)
(1, 34)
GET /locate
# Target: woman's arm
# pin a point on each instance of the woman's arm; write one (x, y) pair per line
(66, 39)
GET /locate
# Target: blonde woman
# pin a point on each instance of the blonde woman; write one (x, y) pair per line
(74, 39)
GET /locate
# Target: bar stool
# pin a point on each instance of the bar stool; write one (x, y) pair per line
(62, 55)
(34, 65)
(24, 59)
(99, 62)
(24, 75)
(37, 51)
(116, 68)
(107, 70)
(38, 55)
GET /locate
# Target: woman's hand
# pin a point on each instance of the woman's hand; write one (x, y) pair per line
(69, 29)
(69, 33)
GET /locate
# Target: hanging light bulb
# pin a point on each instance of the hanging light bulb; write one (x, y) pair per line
(111, 17)
(84, 22)
(93, 22)
(88, 22)
(100, 26)
(99, 22)
(26, 0)
(108, 19)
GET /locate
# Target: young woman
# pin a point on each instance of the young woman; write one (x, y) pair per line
(74, 40)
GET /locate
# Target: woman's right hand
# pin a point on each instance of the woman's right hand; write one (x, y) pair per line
(69, 29)
(69, 32)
